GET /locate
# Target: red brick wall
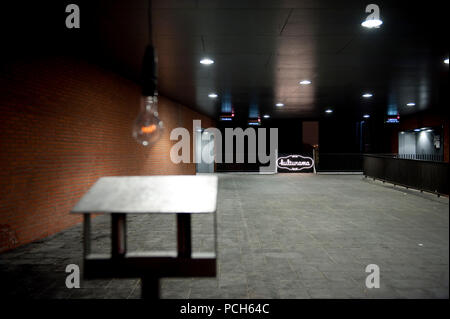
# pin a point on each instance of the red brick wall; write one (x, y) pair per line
(65, 123)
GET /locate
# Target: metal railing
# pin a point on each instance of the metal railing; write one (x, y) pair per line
(424, 175)
(338, 162)
(421, 157)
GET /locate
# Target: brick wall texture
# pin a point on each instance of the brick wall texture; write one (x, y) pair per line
(65, 123)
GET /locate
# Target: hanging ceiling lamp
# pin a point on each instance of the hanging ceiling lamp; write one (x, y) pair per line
(147, 127)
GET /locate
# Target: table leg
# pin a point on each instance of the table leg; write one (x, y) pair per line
(150, 287)
(118, 235)
(86, 234)
(184, 235)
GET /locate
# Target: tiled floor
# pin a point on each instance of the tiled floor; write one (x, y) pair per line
(280, 236)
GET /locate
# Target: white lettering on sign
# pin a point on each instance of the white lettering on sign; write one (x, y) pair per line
(295, 162)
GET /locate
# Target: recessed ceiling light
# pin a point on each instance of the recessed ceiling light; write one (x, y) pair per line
(206, 61)
(266, 116)
(366, 116)
(372, 23)
(212, 95)
(279, 104)
(411, 104)
(329, 111)
(305, 82)
(446, 61)
(367, 95)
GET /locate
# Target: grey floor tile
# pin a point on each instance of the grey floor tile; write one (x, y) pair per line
(274, 241)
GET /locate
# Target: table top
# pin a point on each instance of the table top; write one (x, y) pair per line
(151, 194)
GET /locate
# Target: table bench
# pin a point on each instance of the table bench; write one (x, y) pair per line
(122, 195)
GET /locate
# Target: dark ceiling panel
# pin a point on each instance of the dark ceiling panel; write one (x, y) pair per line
(218, 21)
(262, 49)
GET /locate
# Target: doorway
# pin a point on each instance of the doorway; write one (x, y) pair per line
(204, 144)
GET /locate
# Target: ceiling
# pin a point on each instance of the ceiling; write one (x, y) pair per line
(262, 49)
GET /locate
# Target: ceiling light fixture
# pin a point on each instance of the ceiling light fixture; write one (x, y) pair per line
(373, 19)
(266, 116)
(372, 24)
(279, 104)
(446, 61)
(206, 61)
(212, 95)
(411, 104)
(367, 95)
(305, 82)
(329, 111)
(366, 116)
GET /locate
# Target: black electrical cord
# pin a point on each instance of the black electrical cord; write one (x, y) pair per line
(149, 64)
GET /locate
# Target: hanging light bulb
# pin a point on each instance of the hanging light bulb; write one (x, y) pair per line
(147, 127)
